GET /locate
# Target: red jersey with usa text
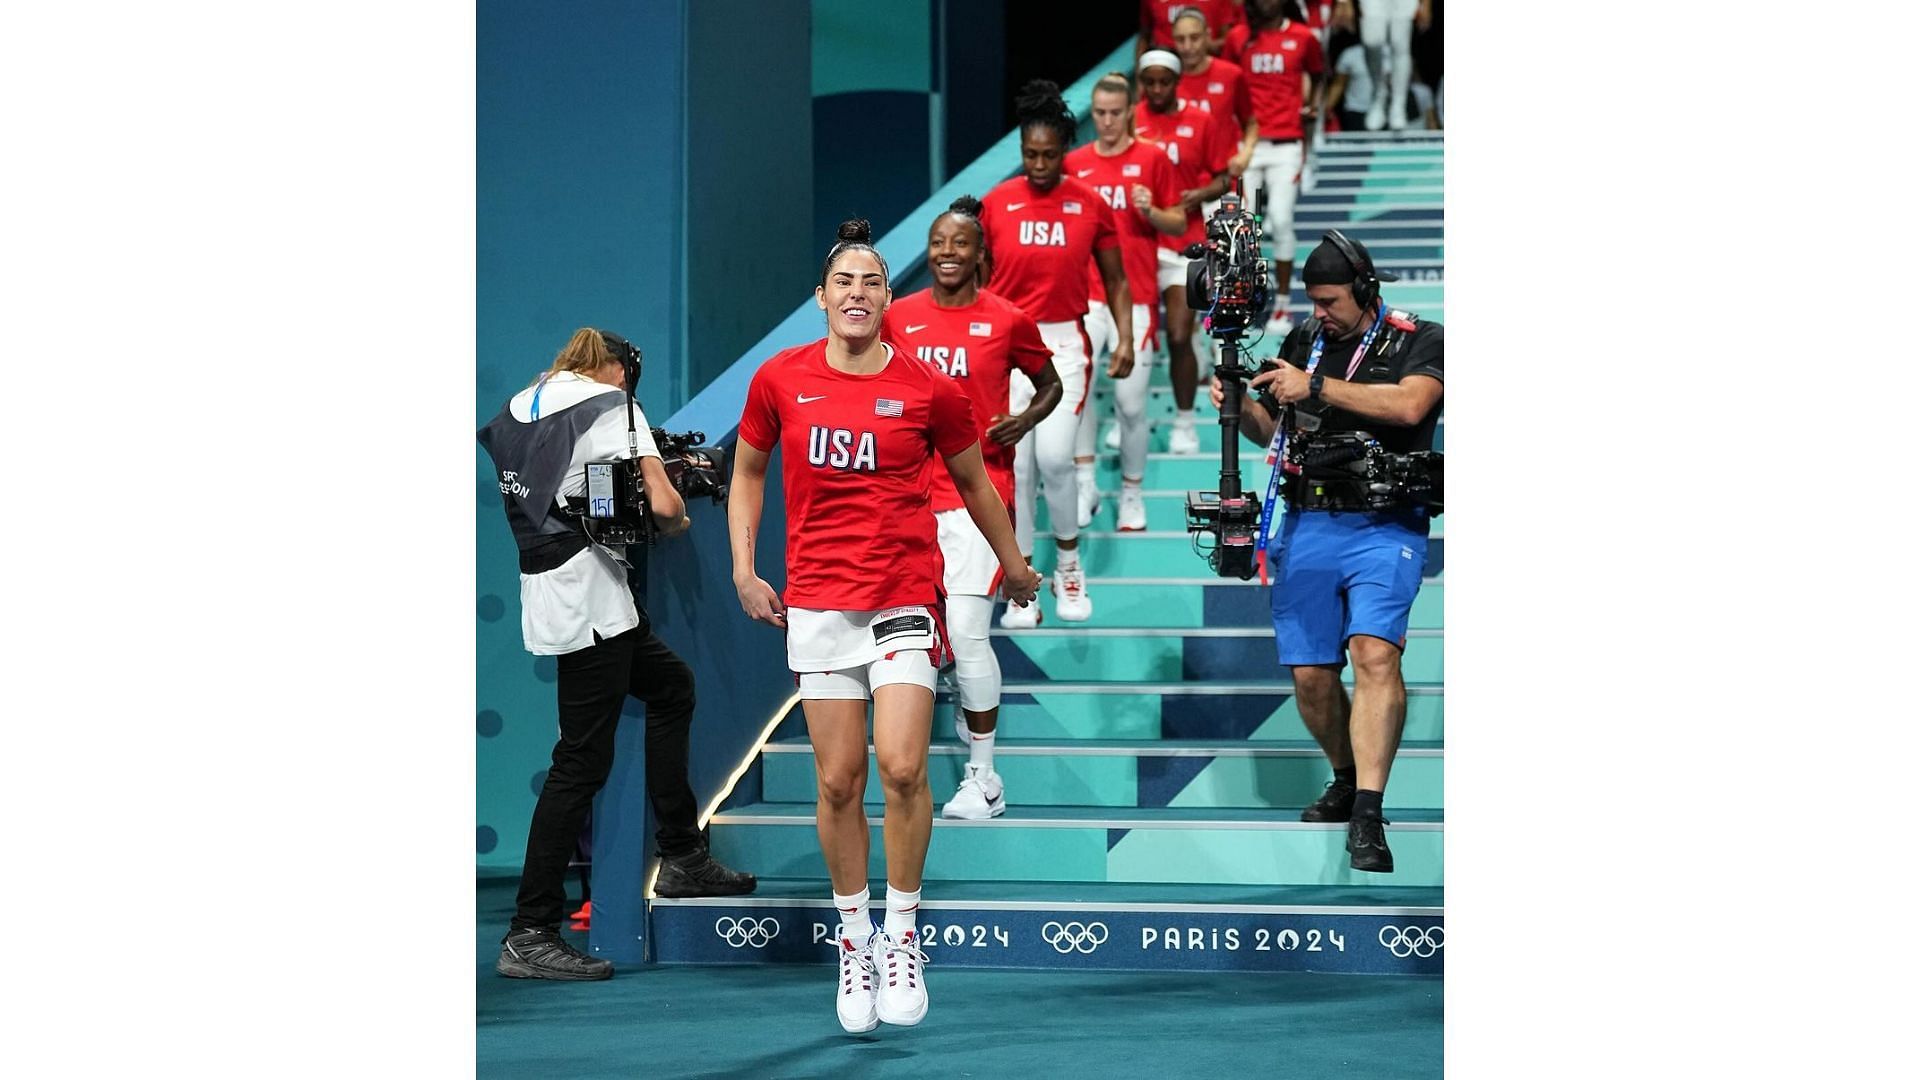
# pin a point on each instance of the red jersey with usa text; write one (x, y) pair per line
(1276, 63)
(1159, 14)
(1113, 177)
(1041, 242)
(1220, 91)
(1197, 144)
(854, 452)
(977, 346)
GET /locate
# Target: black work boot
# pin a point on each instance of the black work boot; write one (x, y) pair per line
(697, 874)
(1334, 804)
(541, 953)
(1367, 844)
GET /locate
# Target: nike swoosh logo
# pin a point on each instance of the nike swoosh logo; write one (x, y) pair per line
(1083, 172)
(916, 329)
(1012, 206)
(803, 399)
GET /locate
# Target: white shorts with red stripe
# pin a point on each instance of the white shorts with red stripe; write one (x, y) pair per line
(846, 654)
(972, 567)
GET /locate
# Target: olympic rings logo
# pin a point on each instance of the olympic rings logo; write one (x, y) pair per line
(1074, 937)
(746, 931)
(1413, 940)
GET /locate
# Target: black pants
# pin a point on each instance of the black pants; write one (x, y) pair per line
(594, 683)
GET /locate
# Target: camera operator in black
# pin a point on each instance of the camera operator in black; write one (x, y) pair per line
(1345, 576)
(577, 604)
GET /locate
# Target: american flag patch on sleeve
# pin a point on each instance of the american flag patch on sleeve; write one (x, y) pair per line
(888, 407)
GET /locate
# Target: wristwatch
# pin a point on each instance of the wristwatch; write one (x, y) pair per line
(1314, 384)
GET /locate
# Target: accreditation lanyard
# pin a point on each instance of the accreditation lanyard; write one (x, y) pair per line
(1277, 449)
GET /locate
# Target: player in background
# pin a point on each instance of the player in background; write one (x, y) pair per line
(977, 339)
(1137, 181)
(1042, 226)
(1157, 17)
(1283, 63)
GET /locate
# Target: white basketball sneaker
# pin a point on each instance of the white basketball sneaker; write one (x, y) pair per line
(1133, 511)
(902, 997)
(981, 796)
(1087, 495)
(857, 991)
(1070, 599)
(1184, 440)
(1021, 618)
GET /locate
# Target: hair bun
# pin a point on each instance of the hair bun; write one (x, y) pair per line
(966, 204)
(856, 231)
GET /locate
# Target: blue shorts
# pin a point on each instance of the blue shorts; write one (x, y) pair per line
(1340, 574)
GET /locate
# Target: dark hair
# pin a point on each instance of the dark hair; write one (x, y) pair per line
(968, 207)
(1039, 105)
(855, 234)
(1281, 9)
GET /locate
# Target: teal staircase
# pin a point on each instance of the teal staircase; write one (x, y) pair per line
(1154, 758)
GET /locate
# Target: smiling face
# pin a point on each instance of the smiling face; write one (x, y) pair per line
(1040, 156)
(953, 251)
(854, 296)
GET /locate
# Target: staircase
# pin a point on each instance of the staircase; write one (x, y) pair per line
(1155, 762)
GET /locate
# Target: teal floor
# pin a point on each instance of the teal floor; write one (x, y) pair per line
(771, 1022)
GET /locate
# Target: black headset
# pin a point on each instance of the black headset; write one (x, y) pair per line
(1366, 281)
(629, 356)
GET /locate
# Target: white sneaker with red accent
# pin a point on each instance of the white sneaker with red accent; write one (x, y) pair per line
(1133, 511)
(899, 965)
(1021, 618)
(857, 992)
(1070, 599)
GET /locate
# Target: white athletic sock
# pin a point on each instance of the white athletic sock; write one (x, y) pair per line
(1066, 560)
(855, 924)
(903, 912)
(1133, 485)
(1083, 472)
(1183, 418)
(980, 749)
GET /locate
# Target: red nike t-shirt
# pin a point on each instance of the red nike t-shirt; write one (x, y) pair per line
(1113, 177)
(1221, 91)
(1159, 14)
(977, 346)
(1041, 243)
(1276, 63)
(854, 452)
(1197, 144)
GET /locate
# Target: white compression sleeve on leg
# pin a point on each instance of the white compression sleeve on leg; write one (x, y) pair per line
(969, 618)
(1130, 400)
(1020, 394)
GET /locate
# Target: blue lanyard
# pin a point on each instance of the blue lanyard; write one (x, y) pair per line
(537, 387)
(1277, 450)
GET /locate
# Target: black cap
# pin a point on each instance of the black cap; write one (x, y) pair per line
(1328, 265)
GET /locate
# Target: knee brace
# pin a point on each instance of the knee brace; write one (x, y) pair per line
(975, 667)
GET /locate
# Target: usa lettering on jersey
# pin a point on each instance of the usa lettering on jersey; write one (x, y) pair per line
(839, 448)
(950, 361)
(1269, 63)
(1114, 194)
(1043, 233)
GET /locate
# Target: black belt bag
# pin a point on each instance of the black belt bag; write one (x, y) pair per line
(552, 553)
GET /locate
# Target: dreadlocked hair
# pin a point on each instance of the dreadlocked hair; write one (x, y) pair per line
(1039, 105)
(855, 234)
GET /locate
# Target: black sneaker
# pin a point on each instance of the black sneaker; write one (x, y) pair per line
(698, 874)
(1367, 844)
(541, 953)
(1334, 804)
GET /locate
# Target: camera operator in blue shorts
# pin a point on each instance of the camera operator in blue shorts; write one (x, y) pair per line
(1353, 443)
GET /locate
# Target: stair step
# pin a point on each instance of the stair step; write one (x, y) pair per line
(1209, 602)
(1356, 929)
(1137, 774)
(1267, 846)
(1166, 507)
(1253, 711)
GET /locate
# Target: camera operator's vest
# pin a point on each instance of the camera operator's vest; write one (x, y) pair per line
(531, 460)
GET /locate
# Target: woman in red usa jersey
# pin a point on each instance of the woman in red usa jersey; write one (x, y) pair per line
(857, 426)
(1041, 227)
(1283, 63)
(1201, 146)
(978, 340)
(1136, 180)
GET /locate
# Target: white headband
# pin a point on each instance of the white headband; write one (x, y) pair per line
(1158, 58)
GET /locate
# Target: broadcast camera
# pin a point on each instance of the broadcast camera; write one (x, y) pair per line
(614, 508)
(1351, 470)
(1227, 281)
